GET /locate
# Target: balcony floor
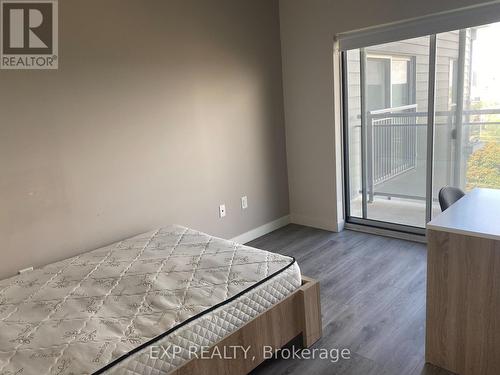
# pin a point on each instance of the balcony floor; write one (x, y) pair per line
(410, 183)
(399, 211)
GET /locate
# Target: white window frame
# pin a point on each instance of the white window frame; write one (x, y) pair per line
(391, 59)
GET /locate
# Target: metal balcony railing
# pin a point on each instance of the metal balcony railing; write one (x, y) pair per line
(391, 142)
(391, 138)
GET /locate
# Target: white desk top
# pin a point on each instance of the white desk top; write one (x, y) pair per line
(476, 214)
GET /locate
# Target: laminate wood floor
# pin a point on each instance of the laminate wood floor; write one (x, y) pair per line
(373, 301)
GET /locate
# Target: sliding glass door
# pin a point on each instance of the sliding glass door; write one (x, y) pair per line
(386, 89)
(419, 114)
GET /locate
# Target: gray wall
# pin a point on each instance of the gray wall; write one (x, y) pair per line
(312, 110)
(160, 110)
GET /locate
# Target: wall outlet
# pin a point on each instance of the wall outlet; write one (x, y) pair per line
(244, 202)
(222, 210)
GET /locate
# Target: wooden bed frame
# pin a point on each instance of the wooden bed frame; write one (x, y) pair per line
(298, 314)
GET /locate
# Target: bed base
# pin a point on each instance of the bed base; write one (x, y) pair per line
(298, 314)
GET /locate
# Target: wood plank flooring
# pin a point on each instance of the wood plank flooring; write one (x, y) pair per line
(373, 301)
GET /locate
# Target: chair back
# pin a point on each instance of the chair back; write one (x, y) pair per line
(449, 195)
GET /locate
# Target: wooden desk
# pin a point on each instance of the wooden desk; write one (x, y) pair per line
(463, 286)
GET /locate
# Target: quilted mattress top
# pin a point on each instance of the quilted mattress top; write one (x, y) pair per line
(78, 315)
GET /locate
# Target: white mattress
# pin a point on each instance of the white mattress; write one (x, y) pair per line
(101, 312)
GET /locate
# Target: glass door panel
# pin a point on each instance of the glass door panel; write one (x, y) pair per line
(388, 131)
(467, 130)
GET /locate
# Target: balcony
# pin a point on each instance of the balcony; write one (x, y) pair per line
(396, 160)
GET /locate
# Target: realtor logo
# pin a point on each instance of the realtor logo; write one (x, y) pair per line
(29, 37)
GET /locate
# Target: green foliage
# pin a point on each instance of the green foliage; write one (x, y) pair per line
(483, 167)
(490, 132)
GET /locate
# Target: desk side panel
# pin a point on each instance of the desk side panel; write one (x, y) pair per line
(463, 303)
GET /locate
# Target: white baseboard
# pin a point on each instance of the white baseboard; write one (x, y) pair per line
(262, 230)
(330, 225)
